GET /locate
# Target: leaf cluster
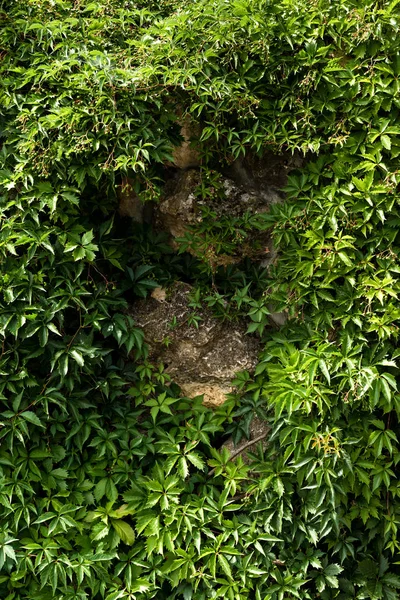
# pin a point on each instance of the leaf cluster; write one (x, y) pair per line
(111, 482)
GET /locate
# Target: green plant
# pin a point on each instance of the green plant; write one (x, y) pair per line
(111, 482)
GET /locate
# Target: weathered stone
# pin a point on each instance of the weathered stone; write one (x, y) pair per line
(186, 156)
(202, 360)
(259, 431)
(266, 176)
(180, 208)
(251, 184)
(159, 294)
(213, 395)
(130, 204)
(268, 172)
(279, 318)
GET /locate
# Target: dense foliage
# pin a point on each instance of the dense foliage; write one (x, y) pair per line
(111, 484)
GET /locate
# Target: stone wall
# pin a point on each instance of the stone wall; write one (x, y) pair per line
(204, 359)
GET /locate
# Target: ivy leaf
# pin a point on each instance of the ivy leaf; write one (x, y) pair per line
(30, 416)
(196, 460)
(324, 369)
(344, 258)
(100, 489)
(124, 530)
(78, 357)
(183, 469)
(116, 595)
(111, 490)
(385, 141)
(330, 573)
(140, 586)
(87, 237)
(53, 328)
(99, 531)
(225, 566)
(278, 486)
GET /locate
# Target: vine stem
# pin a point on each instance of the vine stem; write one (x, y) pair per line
(242, 449)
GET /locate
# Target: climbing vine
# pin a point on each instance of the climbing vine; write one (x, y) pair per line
(112, 483)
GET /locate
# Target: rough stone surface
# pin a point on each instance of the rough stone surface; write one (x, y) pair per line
(268, 172)
(130, 204)
(186, 156)
(179, 209)
(179, 202)
(201, 360)
(259, 431)
(213, 395)
(250, 184)
(279, 318)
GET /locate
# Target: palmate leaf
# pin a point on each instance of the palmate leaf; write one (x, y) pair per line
(224, 564)
(93, 97)
(100, 489)
(391, 580)
(330, 575)
(116, 595)
(140, 585)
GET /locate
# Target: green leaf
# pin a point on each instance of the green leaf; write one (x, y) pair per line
(116, 595)
(30, 416)
(324, 369)
(100, 489)
(385, 141)
(53, 328)
(225, 566)
(124, 530)
(59, 473)
(111, 490)
(183, 469)
(87, 237)
(99, 531)
(196, 460)
(78, 357)
(344, 258)
(45, 517)
(140, 585)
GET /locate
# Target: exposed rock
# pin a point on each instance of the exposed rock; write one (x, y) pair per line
(159, 294)
(186, 156)
(250, 184)
(203, 360)
(130, 204)
(180, 208)
(279, 318)
(269, 171)
(240, 198)
(258, 434)
(213, 395)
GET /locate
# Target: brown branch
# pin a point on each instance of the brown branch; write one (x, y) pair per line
(242, 449)
(33, 403)
(75, 334)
